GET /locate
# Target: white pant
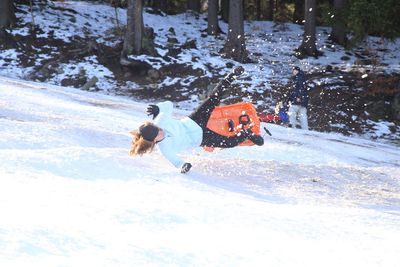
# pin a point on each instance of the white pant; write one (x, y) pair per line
(300, 112)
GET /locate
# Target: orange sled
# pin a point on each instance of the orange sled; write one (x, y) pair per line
(228, 120)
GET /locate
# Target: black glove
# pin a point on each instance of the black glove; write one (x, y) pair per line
(238, 70)
(153, 110)
(186, 167)
(235, 72)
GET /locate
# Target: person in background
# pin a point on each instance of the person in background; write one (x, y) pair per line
(298, 100)
(281, 110)
(279, 117)
(172, 135)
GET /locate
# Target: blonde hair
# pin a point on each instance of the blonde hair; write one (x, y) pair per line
(140, 145)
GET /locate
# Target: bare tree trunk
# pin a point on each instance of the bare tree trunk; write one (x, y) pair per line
(160, 4)
(33, 25)
(298, 14)
(225, 10)
(194, 5)
(271, 9)
(7, 14)
(308, 46)
(258, 9)
(134, 30)
(7, 19)
(213, 27)
(235, 46)
(338, 34)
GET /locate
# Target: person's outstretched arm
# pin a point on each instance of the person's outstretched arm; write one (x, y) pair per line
(168, 151)
(164, 108)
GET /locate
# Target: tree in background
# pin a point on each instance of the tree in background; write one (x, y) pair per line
(376, 17)
(159, 5)
(134, 29)
(258, 9)
(194, 5)
(7, 16)
(339, 31)
(298, 14)
(283, 10)
(308, 46)
(249, 10)
(212, 18)
(225, 10)
(235, 46)
(270, 10)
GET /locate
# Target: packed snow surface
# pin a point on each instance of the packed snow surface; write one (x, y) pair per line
(71, 196)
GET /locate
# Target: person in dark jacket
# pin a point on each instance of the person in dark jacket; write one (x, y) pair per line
(298, 100)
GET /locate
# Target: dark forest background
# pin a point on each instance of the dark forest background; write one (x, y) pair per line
(350, 22)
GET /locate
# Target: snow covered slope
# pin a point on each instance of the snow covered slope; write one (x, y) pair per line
(71, 196)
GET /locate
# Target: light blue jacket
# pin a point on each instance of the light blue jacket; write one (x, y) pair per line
(180, 134)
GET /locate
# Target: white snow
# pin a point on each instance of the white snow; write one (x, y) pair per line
(71, 196)
(89, 70)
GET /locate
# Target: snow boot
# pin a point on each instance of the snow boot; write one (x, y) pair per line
(255, 138)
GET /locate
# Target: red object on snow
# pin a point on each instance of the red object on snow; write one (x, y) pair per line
(269, 118)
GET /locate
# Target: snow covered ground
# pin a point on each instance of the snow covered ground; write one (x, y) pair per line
(71, 196)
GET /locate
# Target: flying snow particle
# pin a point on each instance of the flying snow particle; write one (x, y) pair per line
(310, 9)
(364, 76)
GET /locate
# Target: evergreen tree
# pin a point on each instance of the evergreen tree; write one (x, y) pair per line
(375, 17)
